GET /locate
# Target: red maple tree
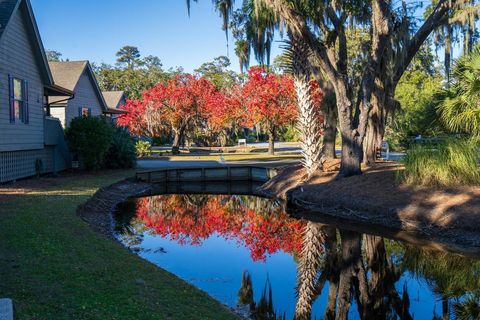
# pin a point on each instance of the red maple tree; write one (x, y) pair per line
(270, 100)
(173, 105)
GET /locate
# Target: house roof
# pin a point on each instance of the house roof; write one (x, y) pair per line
(68, 73)
(7, 9)
(113, 98)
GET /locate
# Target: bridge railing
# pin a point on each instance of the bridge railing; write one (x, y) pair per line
(226, 173)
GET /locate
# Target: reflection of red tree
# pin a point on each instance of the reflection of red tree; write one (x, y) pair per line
(188, 221)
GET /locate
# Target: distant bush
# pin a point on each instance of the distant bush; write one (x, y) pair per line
(289, 134)
(143, 148)
(452, 162)
(121, 154)
(90, 139)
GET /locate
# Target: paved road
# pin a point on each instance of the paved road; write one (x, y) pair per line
(279, 146)
(162, 164)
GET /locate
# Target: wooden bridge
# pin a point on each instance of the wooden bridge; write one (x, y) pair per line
(206, 174)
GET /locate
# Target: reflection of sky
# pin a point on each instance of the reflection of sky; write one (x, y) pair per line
(422, 300)
(217, 265)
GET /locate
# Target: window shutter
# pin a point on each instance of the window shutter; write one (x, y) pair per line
(89, 112)
(12, 99)
(26, 112)
(79, 111)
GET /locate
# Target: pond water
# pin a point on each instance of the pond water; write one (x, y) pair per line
(249, 254)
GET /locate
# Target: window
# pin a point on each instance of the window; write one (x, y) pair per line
(84, 112)
(18, 100)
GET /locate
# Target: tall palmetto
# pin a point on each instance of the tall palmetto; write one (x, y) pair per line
(459, 105)
(309, 122)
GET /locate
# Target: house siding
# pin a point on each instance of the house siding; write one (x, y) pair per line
(17, 58)
(22, 164)
(85, 97)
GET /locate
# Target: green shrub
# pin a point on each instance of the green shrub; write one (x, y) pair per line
(289, 134)
(121, 154)
(448, 163)
(90, 139)
(143, 148)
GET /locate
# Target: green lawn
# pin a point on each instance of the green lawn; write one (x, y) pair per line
(55, 267)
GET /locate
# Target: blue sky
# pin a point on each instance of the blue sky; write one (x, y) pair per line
(95, 29)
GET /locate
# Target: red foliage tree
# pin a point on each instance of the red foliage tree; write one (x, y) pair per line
(270, 100)
(228, 115)
(134, 119)
(172, 105)
(187, 221)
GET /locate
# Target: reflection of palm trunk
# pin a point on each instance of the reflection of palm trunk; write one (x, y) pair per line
(308, 268)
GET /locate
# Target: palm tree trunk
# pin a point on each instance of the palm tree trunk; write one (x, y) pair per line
(308, 114)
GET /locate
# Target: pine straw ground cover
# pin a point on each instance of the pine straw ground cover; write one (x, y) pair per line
(377, 199)
(54, 266)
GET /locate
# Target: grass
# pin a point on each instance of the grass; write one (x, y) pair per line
(54, 266)
(453, 162)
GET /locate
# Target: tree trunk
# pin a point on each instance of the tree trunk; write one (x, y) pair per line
(370, 143)
(271, 142)
(257, 131)
(448, 51)
(352, 153)
(308, 122)
(177, 140)
(330, 132)
(329, 106)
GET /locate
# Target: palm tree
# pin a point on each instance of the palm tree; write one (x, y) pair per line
(459, 105)
(469, 309)
(308, 123)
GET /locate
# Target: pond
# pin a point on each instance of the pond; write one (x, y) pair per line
(249, 254)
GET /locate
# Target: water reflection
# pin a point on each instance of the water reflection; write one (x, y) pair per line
(339, 274)
(257, 223)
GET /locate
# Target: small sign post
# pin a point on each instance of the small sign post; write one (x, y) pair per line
(6, 309)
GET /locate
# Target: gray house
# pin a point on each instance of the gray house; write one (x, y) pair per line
(30, 142)
(115, 100)
(78, 77)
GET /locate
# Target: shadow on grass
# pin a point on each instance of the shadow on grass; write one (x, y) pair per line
(53, 265)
